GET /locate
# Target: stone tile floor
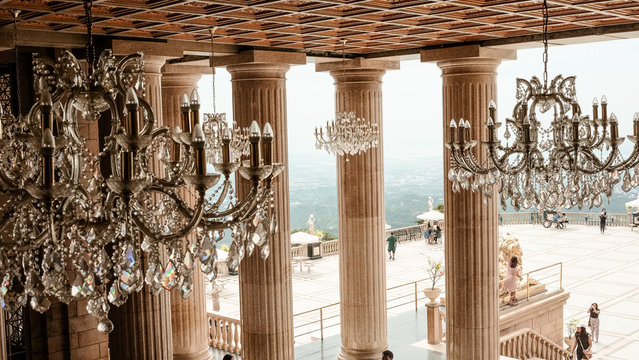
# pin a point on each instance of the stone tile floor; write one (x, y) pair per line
(597, 268)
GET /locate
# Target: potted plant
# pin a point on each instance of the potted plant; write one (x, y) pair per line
(629, 208)
(436, 271)
(571, 326)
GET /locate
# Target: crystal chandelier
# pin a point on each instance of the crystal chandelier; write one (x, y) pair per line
(550, 159)
(347, 134)
(70, 230)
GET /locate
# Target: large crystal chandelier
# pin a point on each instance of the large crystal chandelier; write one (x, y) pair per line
(347, 134)
(70, 230)
(554, 155)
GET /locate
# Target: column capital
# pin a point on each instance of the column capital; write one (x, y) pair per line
(153, 64)
(262, 56)
(258, 71)
(467, 52)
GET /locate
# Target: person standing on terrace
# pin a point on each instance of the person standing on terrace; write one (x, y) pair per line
(593, 322)
(511, 279)
(602, 220)
(392, 245)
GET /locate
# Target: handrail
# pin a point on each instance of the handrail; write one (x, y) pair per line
(225, 333)
(527, 343)
(575, 218)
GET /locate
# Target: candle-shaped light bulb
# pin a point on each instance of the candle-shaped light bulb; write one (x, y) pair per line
(452, 123)
(614, 130)
(267, 144)
(635, 118)
(467, 124)
(185, 102)
(461, 126)
(131, 118)
(198, 142)
(48, 148)
(635, 124)
(595, 102)
(595, 111)
(185, 107)
(195, 107)
(613, 118)
(254, 139)
(526, 120)
(492, 105)
(490, 123)
(604, 101)
(492, 109)
(227, 135)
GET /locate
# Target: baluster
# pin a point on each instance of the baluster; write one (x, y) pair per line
(218, 332)
(238, 345)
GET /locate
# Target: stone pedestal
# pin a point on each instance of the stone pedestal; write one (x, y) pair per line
(360, 194)
(189, 321)
(434, 321)
(266, 296)
(143, 324)
(472, 316)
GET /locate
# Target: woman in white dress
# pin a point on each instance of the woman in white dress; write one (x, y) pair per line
(512, 279)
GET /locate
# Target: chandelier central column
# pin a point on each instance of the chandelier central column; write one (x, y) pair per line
(266, 296)
(469, 82)
(360, 194)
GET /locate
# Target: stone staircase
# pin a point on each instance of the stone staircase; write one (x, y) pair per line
(527, 344)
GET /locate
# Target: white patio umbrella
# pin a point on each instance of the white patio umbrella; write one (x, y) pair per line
(302, 238)
(388, 226)
(431, 215)
(633, 203)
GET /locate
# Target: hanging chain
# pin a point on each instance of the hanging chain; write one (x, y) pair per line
(545, 56)
(212, 64)
(343, 56)
(16, 13)
(88, 5)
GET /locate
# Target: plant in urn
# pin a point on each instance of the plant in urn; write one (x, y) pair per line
(436, 271)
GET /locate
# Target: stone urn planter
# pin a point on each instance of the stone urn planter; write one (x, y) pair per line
(432, 294)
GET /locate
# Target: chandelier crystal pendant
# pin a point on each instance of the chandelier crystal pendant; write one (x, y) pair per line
(553, 155)
(347, 134)
(70, 231)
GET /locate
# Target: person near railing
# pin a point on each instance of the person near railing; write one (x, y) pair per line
(428, 234)
(392, 246)
(387, 355)
(438, 233)
(511, 280)
(602, 220)
(583, 343)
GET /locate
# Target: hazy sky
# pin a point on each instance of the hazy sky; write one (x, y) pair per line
(412, 96)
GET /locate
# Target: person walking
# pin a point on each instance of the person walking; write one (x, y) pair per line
(392, 245)
(593, 322)
(438, 233)
(511, 279)
(602, 220)
(387, 355)
(582, 342)
(427, 233)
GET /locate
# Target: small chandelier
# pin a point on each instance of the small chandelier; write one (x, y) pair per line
(347, 134)
(550, 159)
(72, 231)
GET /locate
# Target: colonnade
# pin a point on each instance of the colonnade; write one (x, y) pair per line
(143, 328)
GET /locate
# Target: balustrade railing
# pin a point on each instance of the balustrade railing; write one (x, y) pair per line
(574, 218)
(527, 343)
(224, 333)
(330, 247)
(298, 251)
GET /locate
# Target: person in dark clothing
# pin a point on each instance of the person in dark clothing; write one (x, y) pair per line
(593, 321)
(228, 357)
(582, 343)
(602, 220)
(387, 355)
(438, 233)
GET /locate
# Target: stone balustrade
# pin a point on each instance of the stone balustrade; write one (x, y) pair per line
(225, 333)
(527, 343)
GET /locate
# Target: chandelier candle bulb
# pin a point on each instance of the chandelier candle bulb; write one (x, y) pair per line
(200, 151)
(460, 131)
(48, 148)
(614, 130)
(451, 134)
(185, 108)
(254, 139)
(490, 124)
(227, 136)
(195, 107)
(595, 107)
(492, 109)
(131, 122)
(467, 132)
(604, 109)
(267, 144)
(46, 106)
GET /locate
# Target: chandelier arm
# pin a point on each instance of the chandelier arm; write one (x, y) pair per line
(182, 206)
(193, 222)
(631, 161)
(249, 200)
(469, 160)
(138, 59)
(497, 161)
(4, 221)
(598, 165)
(10, 184)
(226, 187)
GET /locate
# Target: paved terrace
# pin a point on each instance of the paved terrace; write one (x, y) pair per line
(596, 268)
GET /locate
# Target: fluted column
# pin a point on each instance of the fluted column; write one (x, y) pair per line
(188, 316)
(471, 248)
(266, 296)
(360, 196)
(143, 324)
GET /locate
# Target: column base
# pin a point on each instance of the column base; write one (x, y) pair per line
(352, 354)
(203, 354)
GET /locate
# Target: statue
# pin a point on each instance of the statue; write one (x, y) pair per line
(430, 203)
(311, 225)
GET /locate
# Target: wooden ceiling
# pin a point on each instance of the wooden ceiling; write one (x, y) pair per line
(316, 26)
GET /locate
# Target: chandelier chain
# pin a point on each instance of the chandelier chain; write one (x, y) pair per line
(212, 63)
(16, 13)
(88, 5)
(545, 55)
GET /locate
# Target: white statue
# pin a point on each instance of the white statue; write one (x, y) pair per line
(311, 225)
(430, 203)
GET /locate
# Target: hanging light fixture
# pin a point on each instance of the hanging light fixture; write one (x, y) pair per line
(347, 134)
(554, 155)
(70, 231)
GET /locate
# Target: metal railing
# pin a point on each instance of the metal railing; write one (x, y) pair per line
(527, 343)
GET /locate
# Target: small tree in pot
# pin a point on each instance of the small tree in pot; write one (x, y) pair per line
(436, 271)
(571, 326)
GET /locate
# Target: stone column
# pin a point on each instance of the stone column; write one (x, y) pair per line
(188, 316)
(143, 324)
(469, 77)
(266, 299)
(360, 194)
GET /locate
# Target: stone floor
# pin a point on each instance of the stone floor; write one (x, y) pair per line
(597, 268)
